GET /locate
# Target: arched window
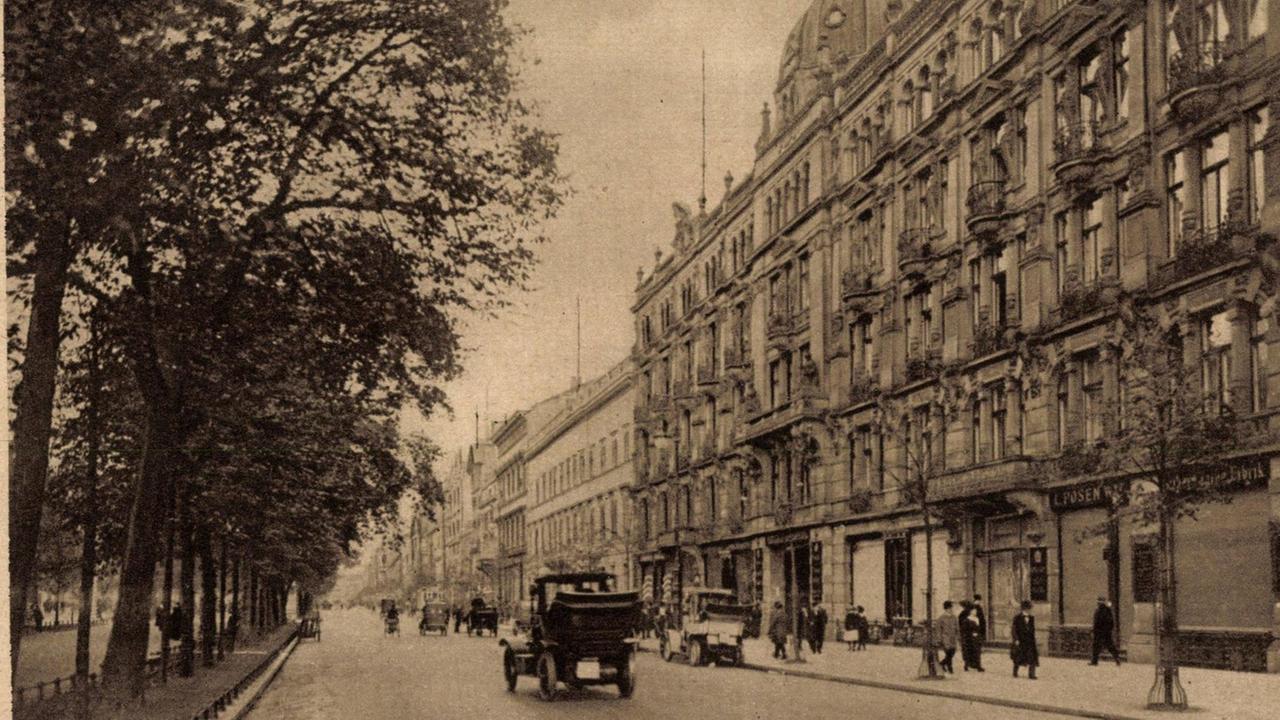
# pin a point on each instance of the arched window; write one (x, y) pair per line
(978, 45)
(925, 94)
(995, 33)
(909, 102)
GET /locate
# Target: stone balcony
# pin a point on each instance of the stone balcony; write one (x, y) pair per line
(1077, 152)
(858, 281)
(1196, 76)
(1016, 473)
(1204, 250)
(781, 326)
(915, 249)
(986, 205)
(707, 374)
(735, 357)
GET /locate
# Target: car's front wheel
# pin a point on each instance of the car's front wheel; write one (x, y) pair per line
(627, 676)
(547, 676)
(509, 672)
(697, 653)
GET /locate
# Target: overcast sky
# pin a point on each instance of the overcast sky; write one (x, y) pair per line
(619, 81)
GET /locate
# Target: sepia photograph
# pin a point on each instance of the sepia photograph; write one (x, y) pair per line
(655, 359)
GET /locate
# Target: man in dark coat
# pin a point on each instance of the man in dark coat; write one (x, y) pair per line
(981, 638)
(1104, 626)
(779, 626)
(177, 622)
(970, 649)
(806, 623)
(1022, 648)
(817, 628)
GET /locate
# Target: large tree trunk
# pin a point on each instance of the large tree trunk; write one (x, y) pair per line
(222, 599)
(88, 566)
(125, 665)
(235, 604)
(253, 598)
(208, 597)
(89, 529)
(186, 531)
(32, 422)
(165, 625)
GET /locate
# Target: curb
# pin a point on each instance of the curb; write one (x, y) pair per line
(282, 657)
(952, 695)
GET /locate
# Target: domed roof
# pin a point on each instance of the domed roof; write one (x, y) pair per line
(828, 30)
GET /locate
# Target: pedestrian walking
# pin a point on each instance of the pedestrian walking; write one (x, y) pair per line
(851, 628)
(1104, 631)
(805, 632)
(177, 622)
(948, 635)
(779, 626)
(817, 628)
(981, 615)
(1022, 649)
(457, 620)
(970, 652)
(37, 616)
(864, 628)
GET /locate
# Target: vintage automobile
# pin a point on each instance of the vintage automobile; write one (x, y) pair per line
(709, 628)
(481, 618)
(580, 633)
(435, 616)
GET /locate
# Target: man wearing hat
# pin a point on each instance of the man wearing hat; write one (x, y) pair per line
(1104, 625)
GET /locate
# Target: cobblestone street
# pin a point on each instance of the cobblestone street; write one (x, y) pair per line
(355, 671)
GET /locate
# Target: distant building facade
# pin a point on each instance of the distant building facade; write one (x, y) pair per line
(972, 185)
(579, 475)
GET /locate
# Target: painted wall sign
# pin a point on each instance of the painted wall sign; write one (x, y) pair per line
(1243, 475)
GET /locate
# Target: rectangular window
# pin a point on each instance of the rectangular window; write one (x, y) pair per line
(880, 469)
(975, 292)
(804, 282)
(1022, 419)
(1091, 241)
(743, 495)
(775, 384)
(1120, 73)
(975, 432)
(1060, 244)
(1064, 411)
(897, 578)
(1213, 182)
(998, 426)
(1175, 171)
(1171, 46)
(1257, 119)
(1000, 289)
(1091, 380)
(868, 354)
(1258, 366)
(1215, 360)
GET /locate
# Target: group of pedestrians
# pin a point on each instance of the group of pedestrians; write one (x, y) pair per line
(812, 628)
(965, 632)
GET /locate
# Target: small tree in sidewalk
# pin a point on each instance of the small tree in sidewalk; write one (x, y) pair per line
(915, 476)
(1172, 434)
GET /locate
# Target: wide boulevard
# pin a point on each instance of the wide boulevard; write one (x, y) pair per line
(358, 672)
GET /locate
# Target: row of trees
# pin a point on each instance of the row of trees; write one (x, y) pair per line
(239, 235)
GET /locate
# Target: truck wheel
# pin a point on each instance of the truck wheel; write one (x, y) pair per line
(627, 676)
(509, 672)
(547, 677)
(697, 653)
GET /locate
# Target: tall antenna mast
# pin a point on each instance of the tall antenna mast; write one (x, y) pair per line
(702, 198)
(577, 379)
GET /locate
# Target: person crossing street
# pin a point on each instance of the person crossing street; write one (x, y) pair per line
(1104, 636)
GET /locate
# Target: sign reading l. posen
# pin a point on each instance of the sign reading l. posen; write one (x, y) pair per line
(1241, 475)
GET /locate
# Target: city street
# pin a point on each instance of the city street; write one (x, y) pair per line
(355, 671)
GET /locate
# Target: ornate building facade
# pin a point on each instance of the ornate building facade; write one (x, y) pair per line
(973, 190)
(579, 475)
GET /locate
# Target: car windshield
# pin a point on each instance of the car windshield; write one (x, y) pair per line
(579, 586)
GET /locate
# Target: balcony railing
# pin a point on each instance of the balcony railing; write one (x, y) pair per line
(1199, 252)
(1196, 66)
(862, 389)
(1077, 302)
(915, 245)
(985, 198)
(737, 357)
(781, 323)
(856, 281)
(988, 339)
(1076, 141)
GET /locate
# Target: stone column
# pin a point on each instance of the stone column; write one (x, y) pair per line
(1239, 315)
(984, 430)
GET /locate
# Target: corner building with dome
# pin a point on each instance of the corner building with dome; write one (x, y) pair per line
(973, 186)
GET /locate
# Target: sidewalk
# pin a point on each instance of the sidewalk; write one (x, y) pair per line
(1063, 684)
(182, 698)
